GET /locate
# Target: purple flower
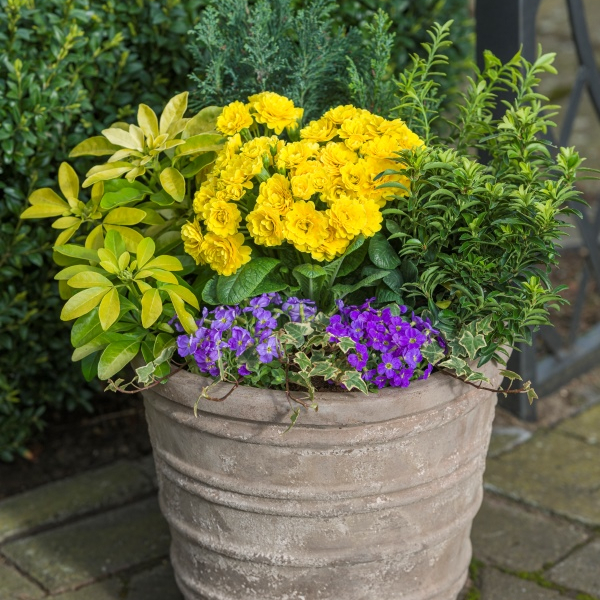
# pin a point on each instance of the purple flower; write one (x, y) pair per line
(267, 350)
(224, 317)
(411, 338)
(186, 345)
(299, 310)
(402, 379)
(264, 319)
(389, 365)
(412, 356)
(240, 340)
(275, 298)
(243, 371)
(175, 322)
(359, 360)
(427, 371)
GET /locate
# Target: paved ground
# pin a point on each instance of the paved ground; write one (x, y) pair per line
(100, 535)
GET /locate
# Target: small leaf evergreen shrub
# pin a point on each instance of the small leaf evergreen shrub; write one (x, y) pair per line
(67, 69)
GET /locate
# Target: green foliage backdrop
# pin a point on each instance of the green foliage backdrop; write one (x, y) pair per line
(68, 68)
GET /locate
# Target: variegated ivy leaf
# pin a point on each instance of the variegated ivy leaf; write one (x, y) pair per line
(352, 380)
(510, 375)
(472, 343)
(346, 344)
(325, 370)
(432, 353)
(302, 361)
(458, 365)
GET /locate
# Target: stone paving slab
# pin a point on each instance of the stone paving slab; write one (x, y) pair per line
(581, 571)
(500, 586)
(553, 471)
(506, 438)
(60, 500)
(111, 589)
(13, 586)
(82, 552)
(517, 539)
(156, 584)
(585, 426)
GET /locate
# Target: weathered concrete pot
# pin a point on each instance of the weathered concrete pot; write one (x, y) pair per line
(371, 498)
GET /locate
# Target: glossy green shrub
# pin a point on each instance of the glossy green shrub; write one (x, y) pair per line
(68, 68)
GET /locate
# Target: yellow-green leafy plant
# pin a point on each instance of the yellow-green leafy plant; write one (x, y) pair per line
(128, 209)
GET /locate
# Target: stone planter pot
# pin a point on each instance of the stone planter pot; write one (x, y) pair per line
(371, 498)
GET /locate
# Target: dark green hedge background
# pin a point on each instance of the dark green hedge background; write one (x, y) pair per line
(69, 68)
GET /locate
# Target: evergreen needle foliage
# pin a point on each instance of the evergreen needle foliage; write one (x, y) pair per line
(242, 49)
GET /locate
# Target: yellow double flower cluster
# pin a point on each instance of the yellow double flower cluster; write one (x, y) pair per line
(316, 194)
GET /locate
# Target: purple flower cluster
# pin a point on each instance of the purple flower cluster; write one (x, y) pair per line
(388, 345)
(226, 332)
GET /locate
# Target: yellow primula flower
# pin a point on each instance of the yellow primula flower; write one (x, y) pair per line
(322, 130)
(382, 147)
(336, 189)
(334, 156)
(276, 193)
(234, 118)
(294, 154)
(319, 179)
(305, 227)
(398, 129)
(356, 177)
(354, 133)
(302, 186)
(222, 218)
(275, 111)
(227, 153)
(347, 217)
(239, 172)
(331, 247)
(257, 147)
(205, 195)
(374, 218)
(225, 255)
(265, 226)
(192, 241)
(339, 114)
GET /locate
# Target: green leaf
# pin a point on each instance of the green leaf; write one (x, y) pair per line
(151, 307)
(42, 211)
(302, 361)
(130, 236)
(86, 328)
(241, 285)
(109, 309)
(352, 380)
(125, 196)
(173, 111)
(203, 122)
(197, 164)
(325, 370)
(114, 243)
(68, 272)
(89, 366)
(409, 271)
(203, 142)
(185, 318)
(510, 375)
(346, 344)
(173, 183)
(83, 302)
(124, 215)
(381, 253)
(165, 263)
(432, 353)
(458, 365)
(209, 293)
(471, 343)
(340, 291)
(144, 252)
(77, 252)
(94, 146)
(87, 279)
(116, 356)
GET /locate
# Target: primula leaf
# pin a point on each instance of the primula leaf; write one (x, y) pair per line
(235, 288)
(209, 293)
(109, 309)
(381, 253)
(340, 291)
(116, 356)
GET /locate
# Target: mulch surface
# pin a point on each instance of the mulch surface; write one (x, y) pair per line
(75, 442)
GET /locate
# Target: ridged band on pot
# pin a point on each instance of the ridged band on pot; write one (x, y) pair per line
(371, 498)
